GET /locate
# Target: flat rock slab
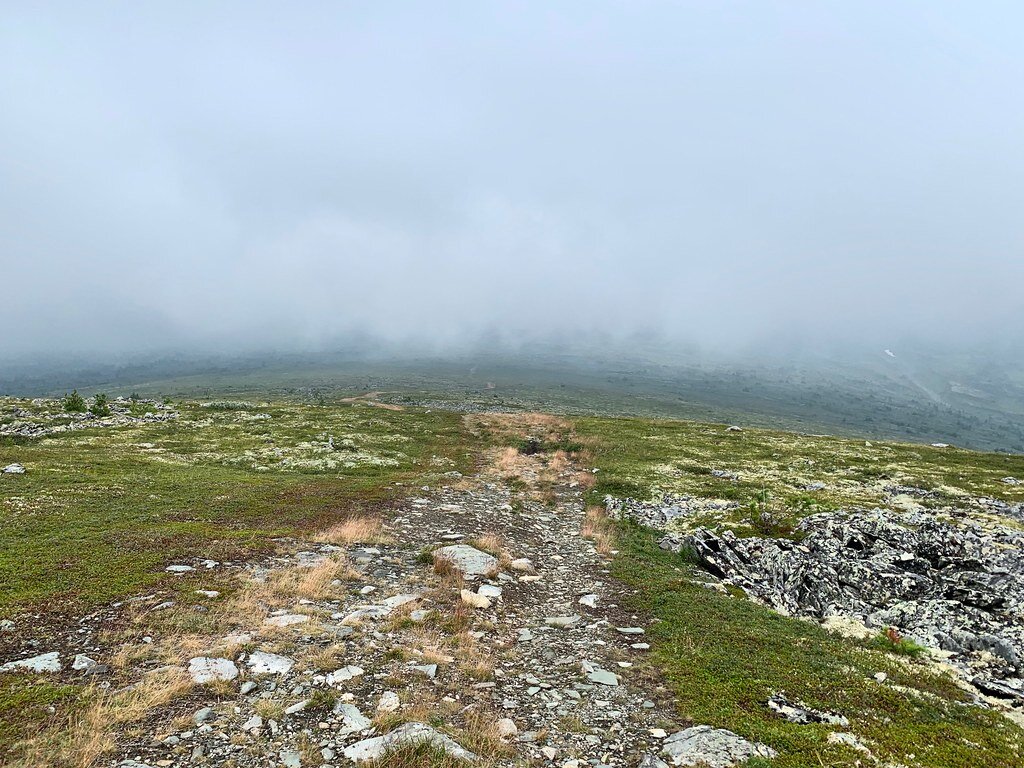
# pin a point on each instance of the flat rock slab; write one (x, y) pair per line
(410, 733)
(263, 663)
(470, 561)
(339, 676)
(604, 677)
(352, 719)
(561, 622)
(711, 748)
(44, 662)
(287, 620)
(207, 669)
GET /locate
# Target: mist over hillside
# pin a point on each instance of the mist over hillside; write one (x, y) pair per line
(919, 393)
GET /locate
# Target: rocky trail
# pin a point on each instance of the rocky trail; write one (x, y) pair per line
(477, 621)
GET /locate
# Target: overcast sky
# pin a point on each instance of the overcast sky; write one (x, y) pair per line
(247, 174)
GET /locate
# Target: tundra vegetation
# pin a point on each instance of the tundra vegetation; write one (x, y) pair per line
(105, 506)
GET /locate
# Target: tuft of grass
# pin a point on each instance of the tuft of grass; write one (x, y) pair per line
(418, 755)
(891, 641)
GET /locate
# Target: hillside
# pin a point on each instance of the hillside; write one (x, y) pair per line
(233, 582)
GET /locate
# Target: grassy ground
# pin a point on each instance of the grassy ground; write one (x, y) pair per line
(724, 656)
(100, 511)
(644, 459)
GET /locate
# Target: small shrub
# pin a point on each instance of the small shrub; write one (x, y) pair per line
(100, 405)
(74, 403)
(891, 641)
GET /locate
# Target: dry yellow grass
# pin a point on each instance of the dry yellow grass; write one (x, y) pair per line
(90, 734)
(598, 528)
(354, 530)
(312, 582)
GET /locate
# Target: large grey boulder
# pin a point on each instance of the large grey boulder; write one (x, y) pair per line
(710, 747)
(410, 733)
(470, 561)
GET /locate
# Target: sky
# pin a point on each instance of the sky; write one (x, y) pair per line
(284, 175)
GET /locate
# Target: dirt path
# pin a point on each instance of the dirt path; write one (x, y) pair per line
(379, 624)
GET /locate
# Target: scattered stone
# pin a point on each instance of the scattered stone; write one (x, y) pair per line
(603, 677)
(590, 601)
(388, 702)
(204, 714)
(802, 714)
(474, 600)
(338, 676)
(263, 663)
(849, 740)
(947, 584)
(710, 747)
(430, 670)
(630, 630)
(290, 758)
(179, 568)
(286, 620)
(254, 723)
(82, 662)
(297, 707)
(561, 622)
(14, 469)
(207, 669)
(490, 591)
(352, 719)
(507, 728)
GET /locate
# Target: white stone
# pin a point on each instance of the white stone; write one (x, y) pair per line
(561, 622)
(388, 702)
(44, 662)
(179, 568)
(489, 590)
(82, 662)
(263, 663)
(286, 620)
(352, 719)
(339, 676)
(430, 670)
(254, 723)
(207, 669)
(590, 601)
(522, 565)
(14, 469)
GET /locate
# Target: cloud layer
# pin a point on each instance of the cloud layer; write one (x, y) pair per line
(245, 175)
